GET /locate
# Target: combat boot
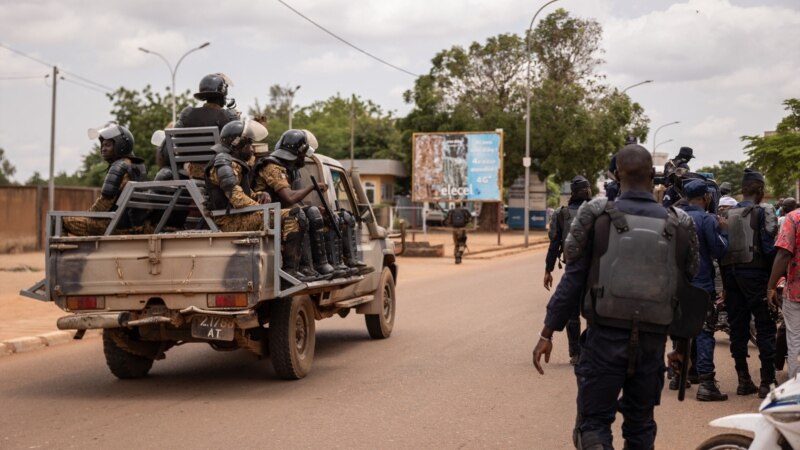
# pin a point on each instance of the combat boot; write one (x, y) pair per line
(708, 390)
(674, 383)
(350, 251)
(767, 380)
(290, 256)
(307, 261)
(319, 256)
(339, 269)
(746, 386)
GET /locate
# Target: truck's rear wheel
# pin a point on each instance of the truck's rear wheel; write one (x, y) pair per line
(380, 325)
(291, 336)
(123, 364)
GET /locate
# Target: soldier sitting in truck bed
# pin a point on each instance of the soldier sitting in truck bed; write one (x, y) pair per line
(228, 177)
(116, 148)
(301, 227)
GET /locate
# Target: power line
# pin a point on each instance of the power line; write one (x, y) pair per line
(382, 61)
(23, 77)
(85, 86)
(33, 58)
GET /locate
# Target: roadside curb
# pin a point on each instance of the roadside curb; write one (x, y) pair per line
(32, 343)
(505, 251)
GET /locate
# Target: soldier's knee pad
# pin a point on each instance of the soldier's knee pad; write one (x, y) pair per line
(299, 215)
(347, 218)
(315, 221)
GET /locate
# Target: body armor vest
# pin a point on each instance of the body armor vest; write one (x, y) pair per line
(204, 117)
(460, 217)
(291, 176)
(744, 243)
(135, 169)
(634, 274)
(223, 163)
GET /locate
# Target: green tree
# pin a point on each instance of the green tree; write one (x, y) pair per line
(142, 112)
(36, 180)
(730, 171)
(7, 170)
(777, 155)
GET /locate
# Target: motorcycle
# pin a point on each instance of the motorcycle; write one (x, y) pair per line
(775, 426)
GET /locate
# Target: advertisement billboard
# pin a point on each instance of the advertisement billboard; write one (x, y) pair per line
(451, 167)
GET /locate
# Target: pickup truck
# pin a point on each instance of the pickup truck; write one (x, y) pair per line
(150, 292)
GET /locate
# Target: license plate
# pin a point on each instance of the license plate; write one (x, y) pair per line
(213, 327)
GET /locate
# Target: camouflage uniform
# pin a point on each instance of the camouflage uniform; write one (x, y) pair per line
(274, 177)
(253, 221)
(93, 226)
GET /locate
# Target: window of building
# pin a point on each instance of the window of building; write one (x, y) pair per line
(387, 192)
(369, 187)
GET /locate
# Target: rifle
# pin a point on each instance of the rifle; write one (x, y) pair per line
(683, 346)
(334, 222)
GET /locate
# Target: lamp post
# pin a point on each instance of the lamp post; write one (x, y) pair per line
(637, 84)
(656, 134)
(526, 162)
(662, 142)
(174, 70)
(291, 103)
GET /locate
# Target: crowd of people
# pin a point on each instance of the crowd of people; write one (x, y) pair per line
(317, 243)
(641, 269)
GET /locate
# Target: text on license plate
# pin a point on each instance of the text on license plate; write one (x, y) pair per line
(213, 327)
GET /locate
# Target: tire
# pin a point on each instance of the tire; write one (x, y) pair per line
(380, 326)
(123, 364)
(726, 441)
(292, 337)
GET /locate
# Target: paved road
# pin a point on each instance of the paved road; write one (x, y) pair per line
(455, 374)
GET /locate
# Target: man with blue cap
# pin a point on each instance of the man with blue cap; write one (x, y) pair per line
(712, 245)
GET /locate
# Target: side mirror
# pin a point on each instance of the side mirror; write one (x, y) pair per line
(158, 138)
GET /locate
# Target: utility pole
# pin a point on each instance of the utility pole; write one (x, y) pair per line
(352, 129)
(51, 185)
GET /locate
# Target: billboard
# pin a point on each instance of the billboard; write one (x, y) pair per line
(457, 167)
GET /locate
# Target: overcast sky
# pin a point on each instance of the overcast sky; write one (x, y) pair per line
(721, 67)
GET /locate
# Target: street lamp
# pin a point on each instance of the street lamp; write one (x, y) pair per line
(637, 84)
(656, 134)
(174, 70)
(526, 162)
(291, 103)
(662, 142)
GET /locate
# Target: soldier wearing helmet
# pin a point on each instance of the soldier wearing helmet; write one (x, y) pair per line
(302, 227)
(213, 90)
(116, 148)
(228, 177)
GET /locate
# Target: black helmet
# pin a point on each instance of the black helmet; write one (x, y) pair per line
(294, 144)
(122, 138)
(237, 134)
(212, 86)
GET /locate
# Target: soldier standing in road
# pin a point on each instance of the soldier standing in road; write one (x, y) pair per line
(116, 148)
(617, 257)
(459, 218)
(712, 245)
(559, 228)
(745, 270)
(228, 177)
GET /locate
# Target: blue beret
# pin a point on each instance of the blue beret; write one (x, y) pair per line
(695, 188)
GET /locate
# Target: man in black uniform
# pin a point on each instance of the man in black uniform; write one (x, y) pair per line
(559, 228)
(459, 218)
(227, 177)
(745, 272)
(619, 256)
(612, 186)
(116, 148)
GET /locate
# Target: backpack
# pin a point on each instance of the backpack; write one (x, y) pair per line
(459, 217)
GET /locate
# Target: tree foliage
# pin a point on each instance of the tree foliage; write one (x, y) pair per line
(7, 170)
(777, 155)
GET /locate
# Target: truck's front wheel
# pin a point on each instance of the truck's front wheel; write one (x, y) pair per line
(291, 336)
(123, 364)
(380, 325)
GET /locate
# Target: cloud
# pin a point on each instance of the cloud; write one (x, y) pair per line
(337, 62)
(713, 126)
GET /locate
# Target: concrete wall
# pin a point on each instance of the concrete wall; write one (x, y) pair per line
(23, 212)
